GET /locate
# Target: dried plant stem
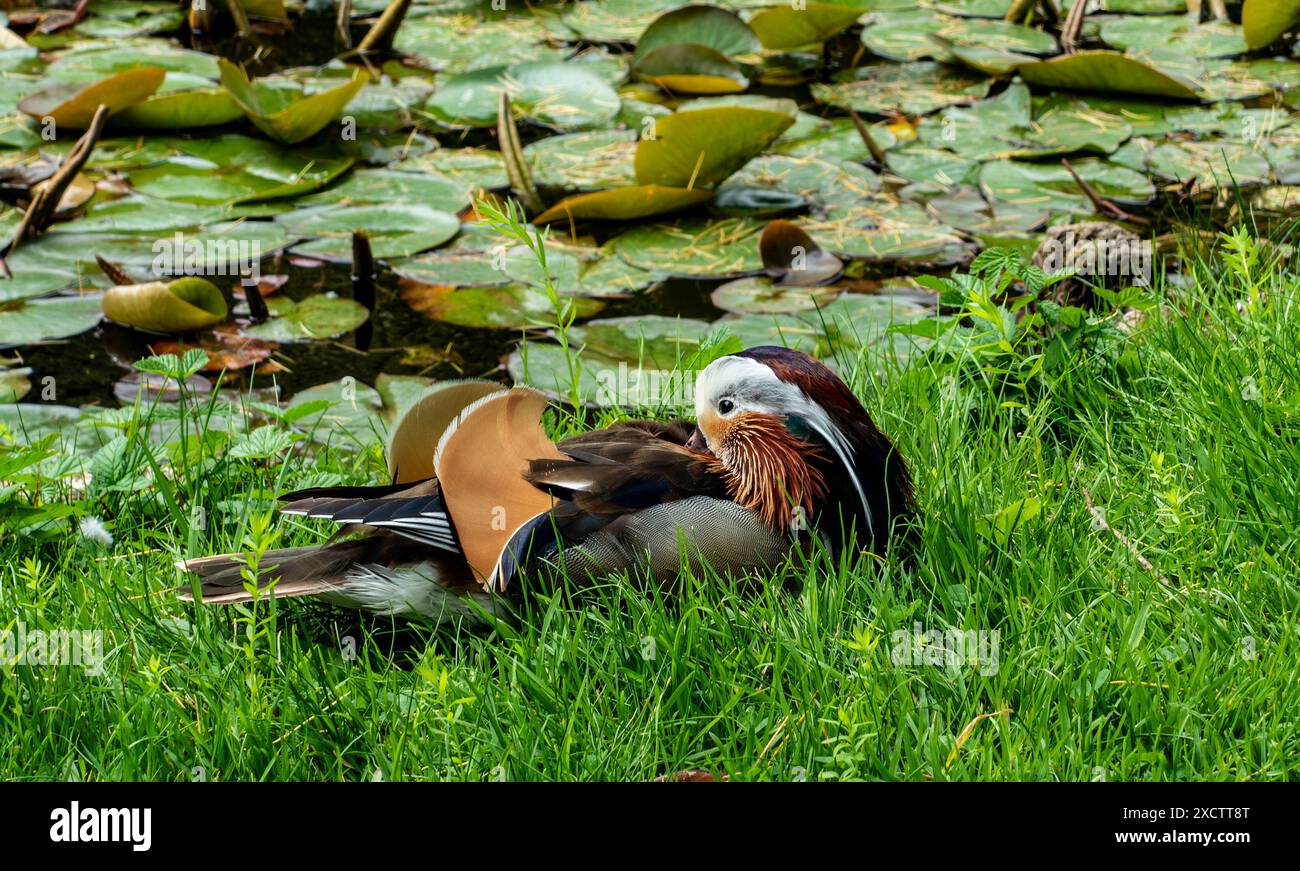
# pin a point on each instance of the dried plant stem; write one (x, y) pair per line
(380, 36)
(40, 212)
(1073, 26)
(1101, 204)
(512, 153)
(877, 153)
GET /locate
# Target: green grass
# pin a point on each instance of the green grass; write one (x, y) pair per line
(1188, 669)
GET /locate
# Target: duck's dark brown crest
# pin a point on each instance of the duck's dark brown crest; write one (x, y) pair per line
(880, 467)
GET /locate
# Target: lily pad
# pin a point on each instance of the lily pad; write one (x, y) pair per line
(1106, 71)
(701, 148)
(691, 69)
(1052, 187)
(41, 320)
(179, 306)
(1209, 164)
(782, 28)
(237, 169)
(181, 110)
(825, 182)
(792, 258)
(288, 114)
(624, 204)
(717, 249)
(1263, 21)
(761, 296)
(1179, 33)
(504, 306)
(455, 44)
(707, 26)
(591, 160)
(885, 228)
(73, 105)
(323, 316)
(393, 187)
(395, 230)
(562, 95)
(913, 89)
(33, 282)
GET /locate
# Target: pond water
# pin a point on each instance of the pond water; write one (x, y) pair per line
(691, 129)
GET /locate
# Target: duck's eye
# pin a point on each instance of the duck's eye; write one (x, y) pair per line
(726, 406)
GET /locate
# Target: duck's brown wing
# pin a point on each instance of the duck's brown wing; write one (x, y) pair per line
(628, 467)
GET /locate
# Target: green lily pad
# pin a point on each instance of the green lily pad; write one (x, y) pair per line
(913, 89)
(911, 36)
(285, 113)
(323, 316)
(508, 306)
(920, 164)
(1209, 164)
(1010, 125)
(93, 60)
(614, 20)
(591, 160)
(353, 416)
(1174, 32)
(30, 321)
(562, 95)
(395, 230)
(455, 44)
(179, 306)
(707, 26)
(15, 383)
(33, 282)
(181, 110)
(232, 169)
(643, 340)
(966, 209)
(1106, 71)
(1051, 187)
(455, 270)
(390, 186)
(759, 295)
(885, 228)
(472, 167)
(701, 148)
(833, 139)
(825, 182)
(717, 249)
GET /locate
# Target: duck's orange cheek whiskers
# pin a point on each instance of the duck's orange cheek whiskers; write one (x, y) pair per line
(767, 467)
(714, 428)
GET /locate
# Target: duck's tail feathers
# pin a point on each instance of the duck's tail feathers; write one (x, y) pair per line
(289, 572)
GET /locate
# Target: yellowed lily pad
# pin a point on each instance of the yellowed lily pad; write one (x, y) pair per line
(283, 115)
(73, 105)
(624, 204)
(179, 306)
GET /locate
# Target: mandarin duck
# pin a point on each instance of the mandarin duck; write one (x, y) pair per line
(782, 450)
